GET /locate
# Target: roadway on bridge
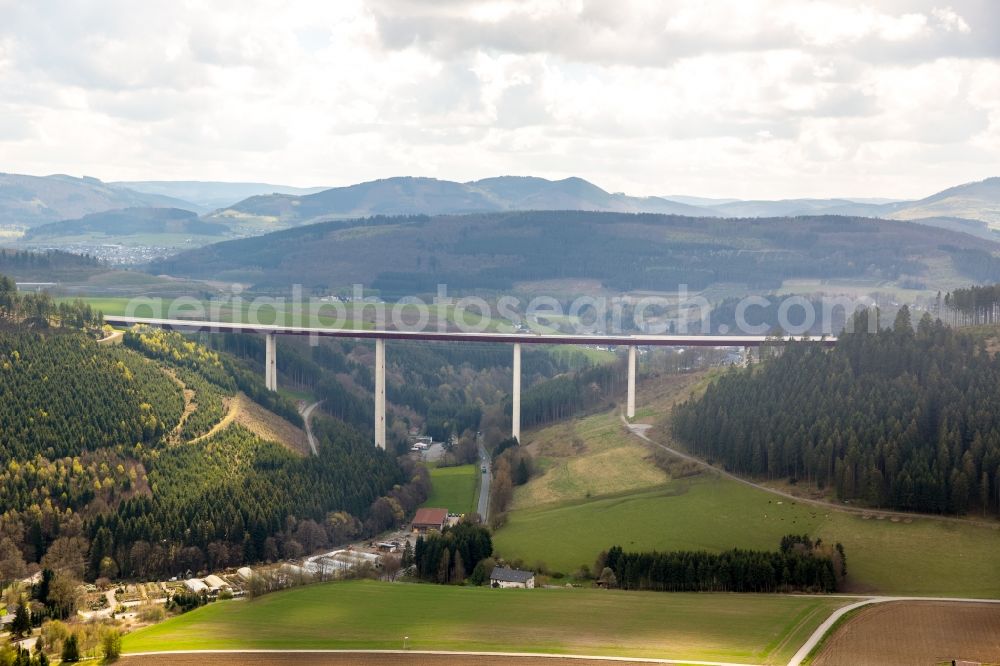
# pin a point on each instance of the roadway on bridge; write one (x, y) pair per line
(465, 336)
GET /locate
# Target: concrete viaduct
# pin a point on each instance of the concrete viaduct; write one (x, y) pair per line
(632, 342)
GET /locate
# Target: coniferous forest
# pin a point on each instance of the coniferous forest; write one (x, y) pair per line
(800, 564)
(105, 470)
(974, 305)
(453, 554)
(907, 417)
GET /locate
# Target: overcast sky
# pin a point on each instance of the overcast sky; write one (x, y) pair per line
(744, 99)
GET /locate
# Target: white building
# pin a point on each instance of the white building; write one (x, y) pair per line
(340, 561)
(503, 577)
(195, 585)
(215, 584)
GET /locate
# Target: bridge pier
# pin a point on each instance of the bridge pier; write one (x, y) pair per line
(515, 411)
(630, 408)
(270, 362)
(380, 393)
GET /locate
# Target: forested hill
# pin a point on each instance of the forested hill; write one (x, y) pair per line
(129, 221)
(903, 418)
(407, 255)
(62, 395)
(47, 266)
(106, 469)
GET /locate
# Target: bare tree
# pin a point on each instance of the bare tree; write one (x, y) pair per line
(342, 527)
(12, 564)
(502, 488)
(67, 555)
(608, 578)
(391, 566)
(64, 591)
(311, 535)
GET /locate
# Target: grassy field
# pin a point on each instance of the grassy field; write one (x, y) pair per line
(354, 658)
(107, 305)
(865, 287)
(372, 615)
(473, 318)
(591, 354)
(321, 314)
(583, 458)
(594, 455)
(454, 488)
(919, 557)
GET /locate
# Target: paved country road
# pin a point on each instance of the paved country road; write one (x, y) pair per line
(487, 477)
(306, 416)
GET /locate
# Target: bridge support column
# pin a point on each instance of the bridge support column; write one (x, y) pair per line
(515, 412)
(630, 408)
(271, 362)
(380, 393)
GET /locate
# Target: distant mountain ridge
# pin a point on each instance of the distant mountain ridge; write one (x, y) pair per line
(979, 200)
(430, 196)
(129, 221)
(212, 195)
(252, 209)
(33, 200)
(970, 202)
(795, 207)
(532, 193)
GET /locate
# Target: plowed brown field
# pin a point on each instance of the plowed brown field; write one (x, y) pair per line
(910, 633)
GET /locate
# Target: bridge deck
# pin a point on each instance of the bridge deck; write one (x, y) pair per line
(470, 336)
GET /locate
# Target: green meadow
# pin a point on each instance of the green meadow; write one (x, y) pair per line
(454, 488)
(376, 615)
(267, 313)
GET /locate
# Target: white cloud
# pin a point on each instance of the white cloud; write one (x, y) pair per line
(775, 98)
(950, 19)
